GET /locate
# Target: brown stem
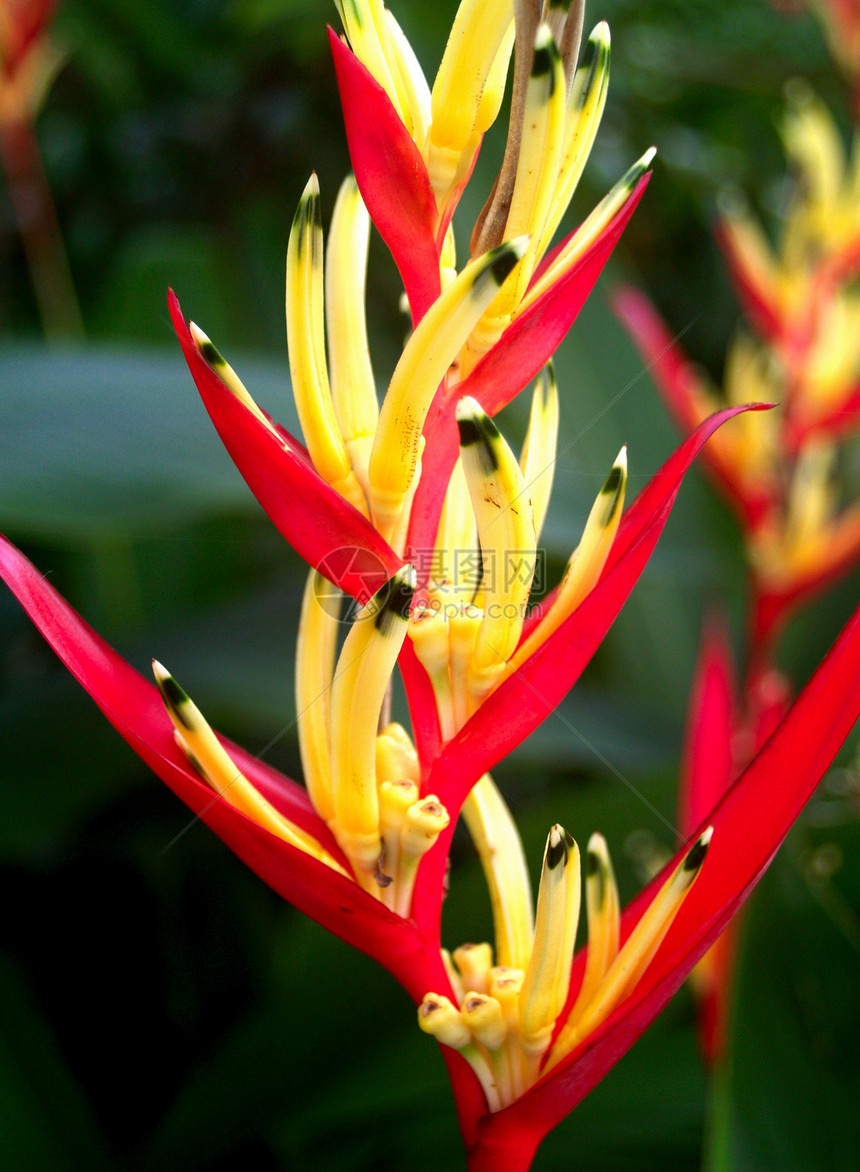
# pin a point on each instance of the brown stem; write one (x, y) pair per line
(36, 215)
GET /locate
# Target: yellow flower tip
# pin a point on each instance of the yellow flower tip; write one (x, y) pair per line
(612, 493)
(474, 962)
(506, 256)
(600, 35)
(544, 44)
(647, 159)
(204, 346)
(558, 847)
(485, 1020)
(478, 432)
(393, 601)
(695, 859)
(441, 1019)
(425, 821)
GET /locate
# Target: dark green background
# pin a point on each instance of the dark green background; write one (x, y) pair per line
(161, 1009)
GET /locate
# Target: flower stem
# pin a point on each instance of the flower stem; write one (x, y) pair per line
(34, 209)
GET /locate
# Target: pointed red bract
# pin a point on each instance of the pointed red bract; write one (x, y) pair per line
(758, 304)
(316, 521)
(391, 177)
(749, 824)
(706, 770)
(135, 709)
(677, 381)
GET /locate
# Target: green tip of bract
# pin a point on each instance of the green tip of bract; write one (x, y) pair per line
(476, 427)
(394, 600)
(205, 347)
(308, 210)
(545, 52)
(558, 846)
(696, 854)
(614, 485)
(506, 256)
(173, 695)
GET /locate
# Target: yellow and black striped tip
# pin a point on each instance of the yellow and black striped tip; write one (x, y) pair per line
(696, 855)
(478, 431)
(558, 847)
(206, 348)
(307, 219)
(176, 699)
(612, 493)
(544, 58)
(594, 57)
(393, 600)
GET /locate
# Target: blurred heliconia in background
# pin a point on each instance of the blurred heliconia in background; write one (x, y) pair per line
(799, 350)
(802, 353)
(29, 61)
(417, 509)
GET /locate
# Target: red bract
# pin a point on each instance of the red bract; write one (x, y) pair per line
(680, 385)
(749, 822)
(391, 177)
(319, 524)
(136, 710)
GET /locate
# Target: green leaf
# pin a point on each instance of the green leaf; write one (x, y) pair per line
(113, 443)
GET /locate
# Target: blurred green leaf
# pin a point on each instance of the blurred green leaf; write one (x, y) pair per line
(115, 443)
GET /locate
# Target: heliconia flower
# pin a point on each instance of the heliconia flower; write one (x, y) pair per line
(798, 537)
(606, 1003)
(782, 287)
(571, 1037)
(28, 59)
(416, 507)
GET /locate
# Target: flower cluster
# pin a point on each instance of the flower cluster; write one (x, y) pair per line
(530, 1025)
(803, 354)
(801, 351)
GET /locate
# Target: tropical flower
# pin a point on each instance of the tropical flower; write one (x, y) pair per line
(27, 58)
(380, 500)
(29, 62)
(778, 471)
(745, 829)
